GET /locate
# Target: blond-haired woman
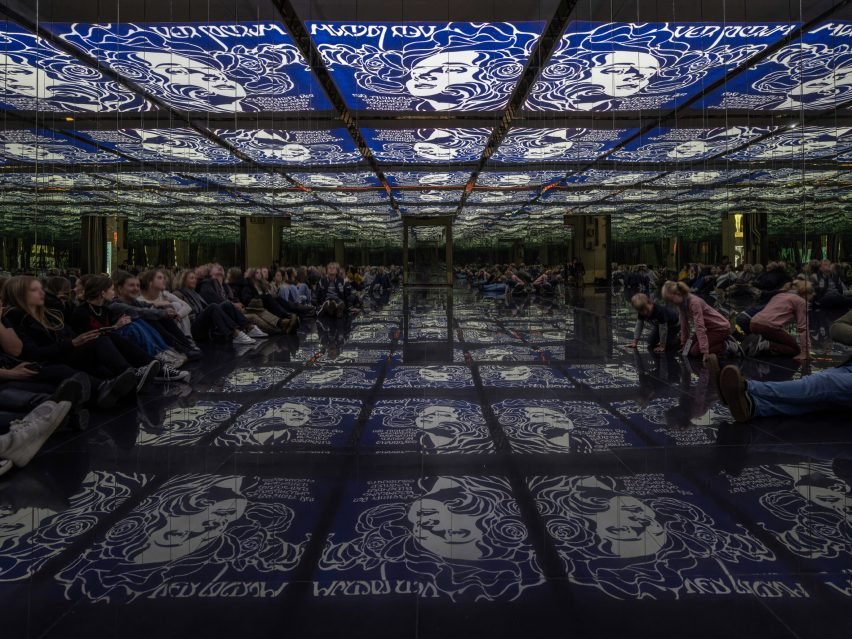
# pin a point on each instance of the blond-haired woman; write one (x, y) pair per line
(711, 328)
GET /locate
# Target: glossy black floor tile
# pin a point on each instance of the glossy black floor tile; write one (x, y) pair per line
(442, 465)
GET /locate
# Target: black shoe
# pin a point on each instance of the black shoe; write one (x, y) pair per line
(193, 355)
(110, 391)
(145, 375)
(341, 309)
(75, 389)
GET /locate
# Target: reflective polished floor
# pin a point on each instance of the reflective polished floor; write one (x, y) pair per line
(443, 465)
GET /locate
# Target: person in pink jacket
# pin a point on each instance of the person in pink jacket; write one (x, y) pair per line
(768, 330)
(712, 330)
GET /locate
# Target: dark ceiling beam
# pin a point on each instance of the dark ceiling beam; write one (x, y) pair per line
(299, 32)
(539, 57)
(307, 121)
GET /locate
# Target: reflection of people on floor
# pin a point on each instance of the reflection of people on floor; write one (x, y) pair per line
(769, 334)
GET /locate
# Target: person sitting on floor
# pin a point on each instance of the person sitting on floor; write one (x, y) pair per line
(43, 337)
(334, 293)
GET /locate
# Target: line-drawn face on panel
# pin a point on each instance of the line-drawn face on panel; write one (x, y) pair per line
(432, 76)
(205, 520)
(624, 73)
(188, 78)
(442, 530)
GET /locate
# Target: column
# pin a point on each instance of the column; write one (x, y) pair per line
(449, 258)
(183, 254)
(756, 238)
(518, 252)
(260, 240)
(404, 253)
(544, 255)
(590, 244)
(93, 244)
(340, 253)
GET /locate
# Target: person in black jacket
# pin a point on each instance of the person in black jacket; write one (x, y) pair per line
(665, 332)
(829, 289)
(46, 339)
(334, 293)
(210, 320)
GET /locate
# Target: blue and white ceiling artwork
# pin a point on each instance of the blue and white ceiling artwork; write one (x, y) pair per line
(245, 180)
(154, 179)
(802, 143)
(686, 145)
(532, 179)
(597, 177)
(418, 178)
(498, 198)
(554, 196)
(162, 145)
(298, 148)
(460, 66)
(557, 145)
(696, 178)
(372, 196)
(428, 196)
(36, 76)
(279, 197)
(208, 197)
(206, 67)
(626, 67)
(434, 146)
(48, 147)
(814, 72)
(336, 180)
(53, 180)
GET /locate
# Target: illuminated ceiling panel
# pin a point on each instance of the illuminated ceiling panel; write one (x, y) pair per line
(48, 147)
(427, 210)
(36, 76)
(497, 198)
(334, 180)
(632, 67)
(53, 180)
(294, 147)
(353, 197)
(814, 72)
(554, 196)
(162, 145)
(208, 197)
(519, 178)
(694, 178)
(422, 178)
(557, 145)
(803, 143)
(598, 177)
(456, 66)
(279, 198)
(244, 180)
(427, 145)
(152, 179)
(137, 197)
(208, 67)
(673, 145)
(643, 195)
(428, 196)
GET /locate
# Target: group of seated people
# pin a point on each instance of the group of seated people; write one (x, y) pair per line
(67, 346)
(508, 279)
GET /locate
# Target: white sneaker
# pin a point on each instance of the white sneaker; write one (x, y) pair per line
(27, 435)
(171, 357)
(242, 338)
(256, 332)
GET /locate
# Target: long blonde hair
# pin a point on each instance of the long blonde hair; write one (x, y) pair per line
(680, 288)
(15, 292)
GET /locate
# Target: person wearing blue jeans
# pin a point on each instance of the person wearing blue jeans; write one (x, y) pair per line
(828, 389)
